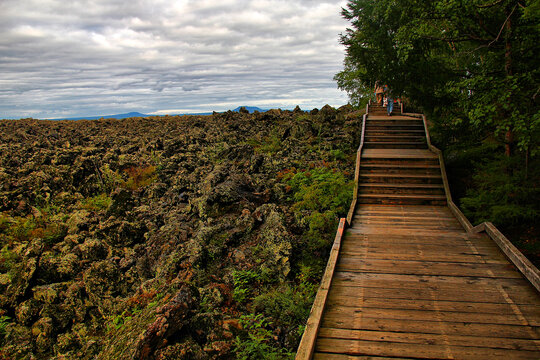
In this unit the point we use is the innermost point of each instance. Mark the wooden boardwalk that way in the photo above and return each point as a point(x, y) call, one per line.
point(408, 281)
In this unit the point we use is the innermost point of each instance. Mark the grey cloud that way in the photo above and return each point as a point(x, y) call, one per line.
point(82, 57)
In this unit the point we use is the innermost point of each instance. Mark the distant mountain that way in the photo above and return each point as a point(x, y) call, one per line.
point(251, 109)
point(118, 116)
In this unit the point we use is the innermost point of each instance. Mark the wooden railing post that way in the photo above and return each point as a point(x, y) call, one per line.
point(357, 172)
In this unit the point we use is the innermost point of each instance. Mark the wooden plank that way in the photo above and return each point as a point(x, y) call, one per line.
point(328, 356)
point(412, 224)
point(354, 202)
point(407, 208)
point(431, 256)
point(413, 267)
point(433, 327)
point(424, 251)
point(433, 305)
point(398, 154)
point(416, 293)
point(390, 217)
point(341, 312)
point(440, 339)
point(462, 282)
point(403, 209)
point(455, 210)
point(404, 231)
point(419, 246)
point(390, 242)
point(513, 292)
point(423, 351)
point(414, 239)
point(307, 343)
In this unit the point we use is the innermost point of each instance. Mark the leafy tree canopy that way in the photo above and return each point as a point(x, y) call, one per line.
point(473, 62)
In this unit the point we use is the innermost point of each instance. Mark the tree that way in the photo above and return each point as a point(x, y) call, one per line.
point(472, 61)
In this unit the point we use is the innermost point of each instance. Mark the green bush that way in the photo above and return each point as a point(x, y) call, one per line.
point(321, 196)
point(321, 189)
point(288, 307)
point(254, 342)
point(243, 283)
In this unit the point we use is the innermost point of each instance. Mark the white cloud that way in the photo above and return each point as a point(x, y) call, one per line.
point(108, 56)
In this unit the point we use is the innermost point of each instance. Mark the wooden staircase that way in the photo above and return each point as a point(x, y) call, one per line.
point(408, 277)
point(397, 167)
point(375, 109)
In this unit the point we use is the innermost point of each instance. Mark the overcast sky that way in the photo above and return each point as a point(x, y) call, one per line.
point(96, 57)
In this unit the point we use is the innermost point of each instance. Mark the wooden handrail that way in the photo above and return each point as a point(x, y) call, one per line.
point(528, 270)
point(357, 172)
point(453, 207)
point(307, 344)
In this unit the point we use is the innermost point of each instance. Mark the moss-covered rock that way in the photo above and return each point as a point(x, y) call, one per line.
point(137, 238)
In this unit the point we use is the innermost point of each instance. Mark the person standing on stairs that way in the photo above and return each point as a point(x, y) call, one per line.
point(379, 90)
point(390, 100)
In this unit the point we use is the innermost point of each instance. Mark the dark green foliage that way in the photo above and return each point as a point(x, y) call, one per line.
point(243, 283)
point(321, 196)
point(254, 342)
point(472, 67)
point(460, 59)
point(504, 197)
point(289, 307)
point(502, 190)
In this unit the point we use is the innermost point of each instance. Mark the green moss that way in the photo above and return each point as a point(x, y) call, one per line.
point(97, 203)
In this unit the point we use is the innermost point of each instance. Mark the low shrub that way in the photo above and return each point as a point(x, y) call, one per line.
point(255, 340)
point(97, 203)
point(139, 177)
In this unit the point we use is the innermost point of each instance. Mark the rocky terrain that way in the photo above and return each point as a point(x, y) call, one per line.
point(193, 237)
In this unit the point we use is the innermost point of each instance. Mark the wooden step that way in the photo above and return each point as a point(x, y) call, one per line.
point(395, 144)
point(389, 121)
point(384, 113)
point(400, 188)
point(406, 167)
point(401, 178)
point(396, 156)
point(395, 137)
point(395, 133)
point(416, 199)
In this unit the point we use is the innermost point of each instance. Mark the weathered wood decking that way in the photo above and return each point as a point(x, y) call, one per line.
point(409, 280)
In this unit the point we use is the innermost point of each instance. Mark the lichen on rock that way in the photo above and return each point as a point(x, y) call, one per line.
point(158, 237)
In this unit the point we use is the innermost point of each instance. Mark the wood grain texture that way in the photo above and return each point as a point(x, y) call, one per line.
point(412, 279)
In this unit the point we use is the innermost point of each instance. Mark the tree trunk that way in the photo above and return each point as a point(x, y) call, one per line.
point(509, 136)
